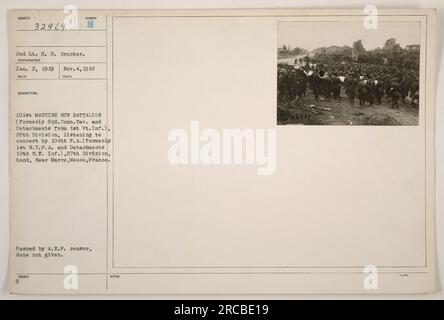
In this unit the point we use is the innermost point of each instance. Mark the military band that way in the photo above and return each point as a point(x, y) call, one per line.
point(369, 83)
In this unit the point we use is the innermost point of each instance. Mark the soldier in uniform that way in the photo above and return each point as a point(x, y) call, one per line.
point(395, 93)
point(387, 84)
point(326, 87)
point(336, 87)
point(362, 92)
point(283, 84)
point(299, 86)
point(370, 87)
point(350, 89)
point(405, 87)
point(315, 84)
point(292, 85)
point(414, 91)
point(379, 91)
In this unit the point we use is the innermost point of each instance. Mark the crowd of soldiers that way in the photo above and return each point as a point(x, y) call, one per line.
point(367, 83)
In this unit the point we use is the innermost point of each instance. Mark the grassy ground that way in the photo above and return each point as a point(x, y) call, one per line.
point(324, 112)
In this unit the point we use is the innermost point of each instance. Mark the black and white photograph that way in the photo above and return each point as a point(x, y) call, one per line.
point(221, 159)
point(342, 73)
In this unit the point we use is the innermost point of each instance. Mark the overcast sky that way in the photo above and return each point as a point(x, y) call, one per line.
point(312, 35)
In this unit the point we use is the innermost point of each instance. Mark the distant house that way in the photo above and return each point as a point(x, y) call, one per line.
point(413, 47)
point(355, 54)
point(357, 50)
